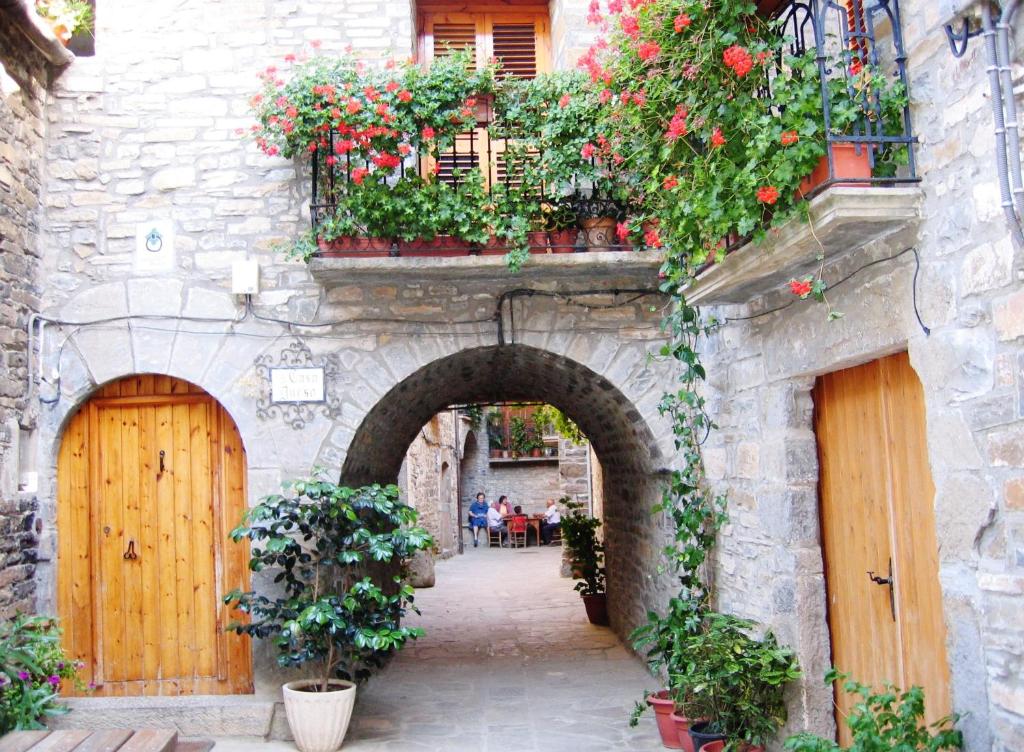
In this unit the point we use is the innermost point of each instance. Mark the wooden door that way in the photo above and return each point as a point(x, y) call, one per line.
point(877, 502)
point(151, 477)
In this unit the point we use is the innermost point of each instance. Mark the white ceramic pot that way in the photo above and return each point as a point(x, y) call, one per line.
point(319, 720)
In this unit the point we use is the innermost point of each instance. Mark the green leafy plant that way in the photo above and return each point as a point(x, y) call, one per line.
point(32, 667)
point(721, 673)
point(322, 541)
point(520, 441)
point(888, 720)
point(585, 551)
point(496, 438)
point(549, 415)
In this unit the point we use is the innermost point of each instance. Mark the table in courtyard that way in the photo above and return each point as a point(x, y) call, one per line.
point(533, 520)
point(106, 740)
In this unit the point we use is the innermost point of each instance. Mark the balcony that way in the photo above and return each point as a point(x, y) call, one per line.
point(488, 170)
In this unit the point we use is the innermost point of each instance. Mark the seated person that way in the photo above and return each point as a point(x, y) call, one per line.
point(503, 506)
point(495, 522)
point(478, 517)
point(552, 521)
point(517, 509)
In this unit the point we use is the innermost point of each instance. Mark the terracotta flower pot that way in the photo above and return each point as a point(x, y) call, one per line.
point(848, 164)
point(319, 720)
point(597, 609)
point(717, 746)
point(663, 705)
point(495, 453)
point(600, 233)
point(536, 452)
point(538, 242)
point(494, 246)
point(563, 241)
point(443, 246)
point(681, 724)
point(349, 246)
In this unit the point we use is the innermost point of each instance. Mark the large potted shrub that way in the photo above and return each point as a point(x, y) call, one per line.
point(586, 557)
point(729, 683)
point(33, 667)
point(890, 719)
point(336, 608)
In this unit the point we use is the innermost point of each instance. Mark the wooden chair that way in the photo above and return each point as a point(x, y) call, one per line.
point(556, 536)
point(517, 530)
point(493, 537)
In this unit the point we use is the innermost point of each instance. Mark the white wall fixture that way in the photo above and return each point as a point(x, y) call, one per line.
point(245, 277)
point(154, 246)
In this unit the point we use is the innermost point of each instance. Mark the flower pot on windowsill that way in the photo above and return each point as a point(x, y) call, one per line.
point(847, 164)
point(494, 246)
point(600, 233)
point(319, 720)
point(563, 241)
point(536, 452)
point(663, 706)
point(495, 453)
point(538, 241)
point(443, 246)
point(350, 246)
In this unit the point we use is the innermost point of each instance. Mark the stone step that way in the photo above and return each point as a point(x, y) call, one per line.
point(196, 717)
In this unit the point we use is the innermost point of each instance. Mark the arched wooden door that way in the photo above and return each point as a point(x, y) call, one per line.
point(151, 479)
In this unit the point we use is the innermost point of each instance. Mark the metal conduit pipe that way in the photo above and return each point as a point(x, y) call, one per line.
point(1002, 168)
point(1010, 104)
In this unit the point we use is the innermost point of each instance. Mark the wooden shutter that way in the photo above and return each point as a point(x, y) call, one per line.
point(515, 45)
point(450, 36)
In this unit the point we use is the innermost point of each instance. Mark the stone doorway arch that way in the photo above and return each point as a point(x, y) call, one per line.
point(619, 433)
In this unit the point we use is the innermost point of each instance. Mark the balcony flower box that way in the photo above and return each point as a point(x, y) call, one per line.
point(846, 163)
point(443, 246)
point(355, 246)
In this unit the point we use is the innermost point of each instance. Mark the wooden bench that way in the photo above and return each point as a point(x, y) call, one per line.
point(110, 740)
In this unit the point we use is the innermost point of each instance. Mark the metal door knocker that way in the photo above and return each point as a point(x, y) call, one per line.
point(130, 553)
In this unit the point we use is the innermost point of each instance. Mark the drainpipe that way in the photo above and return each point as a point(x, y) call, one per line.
point(993, 68)
point(458, 481)
point(1006, 80)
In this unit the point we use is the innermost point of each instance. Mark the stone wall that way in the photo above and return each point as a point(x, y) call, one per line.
point(429, 481)
point(761, 372)
point(24, 77)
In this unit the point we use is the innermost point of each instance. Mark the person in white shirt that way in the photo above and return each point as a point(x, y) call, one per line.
point(496, 522)
point(552, 521)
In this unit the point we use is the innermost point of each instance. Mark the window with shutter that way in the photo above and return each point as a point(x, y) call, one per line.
point(518, 39)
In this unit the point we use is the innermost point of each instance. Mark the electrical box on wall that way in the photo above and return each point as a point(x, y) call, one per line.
point(154, 246)
point(245, 277)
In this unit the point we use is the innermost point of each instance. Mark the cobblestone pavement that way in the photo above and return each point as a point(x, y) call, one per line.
point(509, 662)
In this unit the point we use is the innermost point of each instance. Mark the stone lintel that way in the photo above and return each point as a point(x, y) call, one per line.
point(562, 271)
point(842, 219)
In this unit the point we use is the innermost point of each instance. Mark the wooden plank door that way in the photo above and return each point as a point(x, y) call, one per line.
point(151, 476)
point(876, 512)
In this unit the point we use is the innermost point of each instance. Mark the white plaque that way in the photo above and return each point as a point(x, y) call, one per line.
point(297, 385)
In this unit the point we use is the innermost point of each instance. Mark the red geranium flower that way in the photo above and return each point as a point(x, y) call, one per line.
point(651, 239)
point(801, 287)
point(615, 6)
point(630, 26)
point(354, 106)
point(359, 174)
point(427, 133)
point(717, 139)
point(681, 22)
point(404, 96)
point(767, 194)
point(648, 50)
point(789, 138)
point(392, 86)
point(737, 58)
point(564, 101)
point(622, 231)
point(587, 151)
point(669, 183)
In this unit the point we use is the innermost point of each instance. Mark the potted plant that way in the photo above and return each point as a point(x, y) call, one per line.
point(561, 224)
point(67, 17)
point(586, 555)
point(33, 666)
point(322, 540)
point(882, 720)
point(731, 681)
point(519, 437)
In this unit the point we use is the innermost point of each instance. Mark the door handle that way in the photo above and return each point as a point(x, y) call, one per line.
point(890, 581)
point(130, 553)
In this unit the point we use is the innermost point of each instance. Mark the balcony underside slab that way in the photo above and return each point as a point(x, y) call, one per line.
point(843, 220)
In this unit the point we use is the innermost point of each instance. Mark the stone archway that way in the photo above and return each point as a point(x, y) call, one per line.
point(619, 434)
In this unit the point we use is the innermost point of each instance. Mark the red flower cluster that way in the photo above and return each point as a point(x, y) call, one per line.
point(386, 161)
point(587, 151)
point(669, 183)
point(622, 232)
point(681, 22)
point(789, 138)
point(615, 6)
point(564, 101)
point(594, 12)
point(648, 50)
point(359, 174)
point(717, 139)
point(427, 133)
point(630, 27)
point(801, 287)
point(767, 194)
point(677, 126)
point(651, 238)
point(737, 58)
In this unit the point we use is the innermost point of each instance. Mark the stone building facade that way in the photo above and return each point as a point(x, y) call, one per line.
point(29, 60)
point(142, 137)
